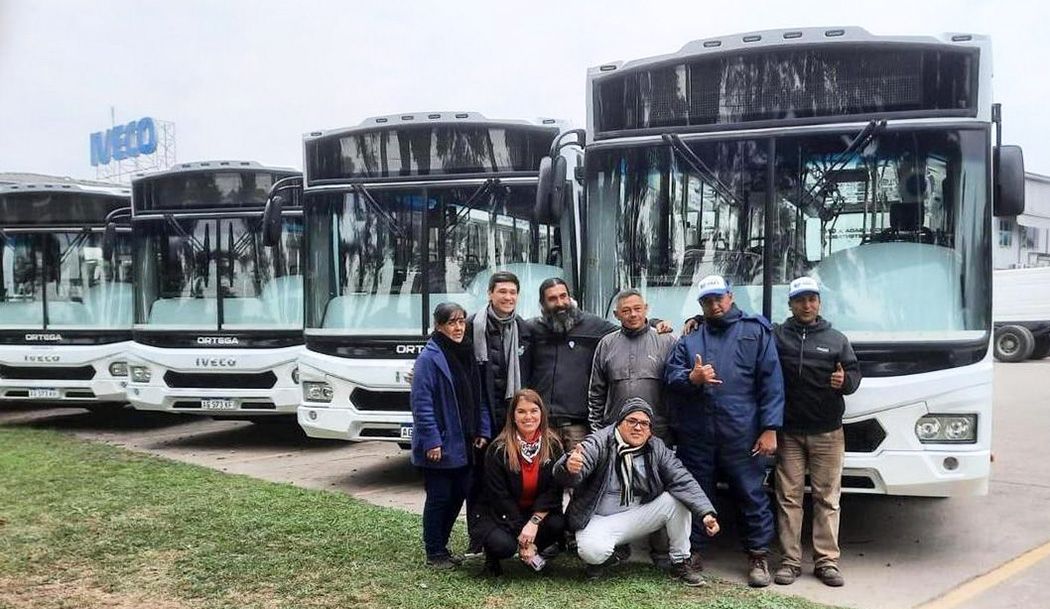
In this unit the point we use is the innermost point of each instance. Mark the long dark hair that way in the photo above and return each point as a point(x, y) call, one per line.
point(509, 436)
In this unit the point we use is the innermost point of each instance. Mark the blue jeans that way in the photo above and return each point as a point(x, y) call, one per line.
point(446, 490)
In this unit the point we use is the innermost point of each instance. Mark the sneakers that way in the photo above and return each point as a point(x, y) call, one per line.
point(442, 563)
point(685, 572)
point(830, 575)
point(696, 561)
point(758, 570)
point(619, 555)
point(787, 574)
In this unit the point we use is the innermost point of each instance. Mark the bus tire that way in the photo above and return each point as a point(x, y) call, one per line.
point(1013, 344)
point(1041, 348)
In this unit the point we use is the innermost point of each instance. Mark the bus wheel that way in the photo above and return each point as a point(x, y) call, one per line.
point(1013, 344)
point(1041, 348)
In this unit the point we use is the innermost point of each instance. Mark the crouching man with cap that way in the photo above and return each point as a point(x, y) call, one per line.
point(628, 484)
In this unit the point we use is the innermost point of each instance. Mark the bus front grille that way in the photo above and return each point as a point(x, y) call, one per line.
point(220, 380)
point(47, 373)
point(389, 401)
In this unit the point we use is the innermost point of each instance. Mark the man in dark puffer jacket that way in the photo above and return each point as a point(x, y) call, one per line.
point(819, 367)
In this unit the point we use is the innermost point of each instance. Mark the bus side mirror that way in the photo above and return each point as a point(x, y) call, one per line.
point(550, 190)
point(109, 240)
point(1009, 181)
point(271, 220)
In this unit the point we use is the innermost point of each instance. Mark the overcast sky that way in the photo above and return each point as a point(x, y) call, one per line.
point(245, 79)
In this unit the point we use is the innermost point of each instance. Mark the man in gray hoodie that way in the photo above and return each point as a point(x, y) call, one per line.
point(628, 484)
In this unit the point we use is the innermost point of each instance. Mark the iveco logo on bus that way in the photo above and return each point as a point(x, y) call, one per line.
point(216, 362)
point(43, 359)
point(409, 349)
point(217, 340)
point(49, 338)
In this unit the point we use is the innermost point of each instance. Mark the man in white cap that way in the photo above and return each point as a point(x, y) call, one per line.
point(819, 368)
point(726, 382)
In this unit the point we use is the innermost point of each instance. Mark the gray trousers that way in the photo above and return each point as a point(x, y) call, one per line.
point(595, 543)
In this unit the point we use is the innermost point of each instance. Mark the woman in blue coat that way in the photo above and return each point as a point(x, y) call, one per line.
point(449, 417)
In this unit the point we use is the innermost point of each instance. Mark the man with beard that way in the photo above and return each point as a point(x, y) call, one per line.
point(563, 342)
point(729, 395)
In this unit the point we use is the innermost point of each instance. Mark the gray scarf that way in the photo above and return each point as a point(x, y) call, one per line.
point(508, 328)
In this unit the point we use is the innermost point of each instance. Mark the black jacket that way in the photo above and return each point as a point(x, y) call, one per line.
point(498, 501)
point(494, 372)
point(808, 355)
point(561, 364)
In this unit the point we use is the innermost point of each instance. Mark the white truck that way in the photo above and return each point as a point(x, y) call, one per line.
point(1021, 314)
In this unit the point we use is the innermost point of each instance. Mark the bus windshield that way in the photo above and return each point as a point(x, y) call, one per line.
point(186, 266)
point(896, 230)
point(388, 248)
point(60, 280)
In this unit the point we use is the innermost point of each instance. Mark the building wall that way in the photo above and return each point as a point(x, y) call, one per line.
point(1025, 241)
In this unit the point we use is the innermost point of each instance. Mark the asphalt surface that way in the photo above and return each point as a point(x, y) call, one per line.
point(896, 552)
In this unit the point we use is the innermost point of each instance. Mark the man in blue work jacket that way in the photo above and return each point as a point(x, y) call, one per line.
point(728, 391)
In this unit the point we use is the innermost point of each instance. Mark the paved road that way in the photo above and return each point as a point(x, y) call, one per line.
point(897, 552)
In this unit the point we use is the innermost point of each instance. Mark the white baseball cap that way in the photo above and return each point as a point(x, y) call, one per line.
point(713, 285)
point(803, 285)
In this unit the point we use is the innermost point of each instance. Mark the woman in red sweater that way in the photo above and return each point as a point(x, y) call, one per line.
point(520, 508)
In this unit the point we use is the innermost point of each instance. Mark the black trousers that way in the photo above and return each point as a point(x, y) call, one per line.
point(502, 543)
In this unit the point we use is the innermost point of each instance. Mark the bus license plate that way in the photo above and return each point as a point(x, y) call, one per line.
point(406, 432)
point(217, 404)
point(44, 393)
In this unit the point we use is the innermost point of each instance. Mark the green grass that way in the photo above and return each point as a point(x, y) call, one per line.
point(85, 524)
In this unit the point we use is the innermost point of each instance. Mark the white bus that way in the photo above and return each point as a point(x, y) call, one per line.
point(65, 304)
point(404, 212)
point(218, 285)
point(861, 160)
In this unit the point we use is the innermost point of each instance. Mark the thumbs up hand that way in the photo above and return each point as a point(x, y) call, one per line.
point(702, 373)
point(838, 377)
point(575, 462)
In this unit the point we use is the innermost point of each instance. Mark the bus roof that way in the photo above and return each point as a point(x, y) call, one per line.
point(430, 118)
point(74, 187)
point(787, 38)
point(213, 166)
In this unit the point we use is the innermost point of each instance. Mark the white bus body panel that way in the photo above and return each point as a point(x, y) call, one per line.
point(901, 465)
point(339, 419)
point(104, 386)
point(158, 396)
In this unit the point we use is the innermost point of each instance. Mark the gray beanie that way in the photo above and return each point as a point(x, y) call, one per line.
point(634, 405)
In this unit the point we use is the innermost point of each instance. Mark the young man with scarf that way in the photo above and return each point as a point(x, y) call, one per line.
point(628, 484)
point(728, 393)
point(501, 343)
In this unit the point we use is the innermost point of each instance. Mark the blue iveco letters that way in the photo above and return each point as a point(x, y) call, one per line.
point(124, 141)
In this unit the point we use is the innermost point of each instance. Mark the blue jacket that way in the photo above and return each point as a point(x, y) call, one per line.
point(751, 396)
point(435, 415)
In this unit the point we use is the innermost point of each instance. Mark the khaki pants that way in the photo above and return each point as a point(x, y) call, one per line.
point(571, 435)
point(822, 454)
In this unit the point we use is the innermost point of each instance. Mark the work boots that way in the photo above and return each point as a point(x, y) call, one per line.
point(758, 570)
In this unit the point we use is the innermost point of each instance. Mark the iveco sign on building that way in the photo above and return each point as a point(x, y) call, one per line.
point(124, 141)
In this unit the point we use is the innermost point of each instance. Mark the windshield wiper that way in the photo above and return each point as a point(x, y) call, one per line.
point(697, 164)
point(378, 209)
point(866, 136)
point(490, 185)
point(198, 247)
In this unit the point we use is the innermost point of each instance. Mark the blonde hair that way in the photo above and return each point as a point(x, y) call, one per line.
point(508, 437)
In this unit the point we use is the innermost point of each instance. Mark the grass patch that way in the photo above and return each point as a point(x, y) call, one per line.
point(84, 525)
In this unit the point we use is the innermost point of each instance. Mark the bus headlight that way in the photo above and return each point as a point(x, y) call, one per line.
point(317, 392)
point(140, 374)
point(947, 429)
point(118, 369)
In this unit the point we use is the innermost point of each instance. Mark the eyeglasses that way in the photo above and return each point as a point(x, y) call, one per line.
point(638, 423)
